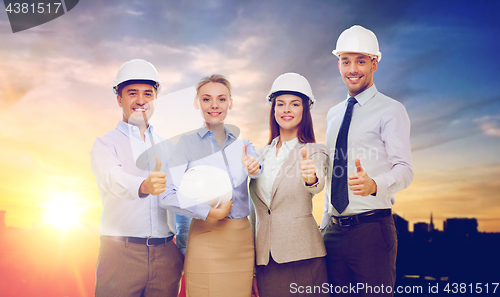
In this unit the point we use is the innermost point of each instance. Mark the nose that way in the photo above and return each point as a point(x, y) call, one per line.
point(287, 108)
point(214, 104)
point(353, 68)
point(141, 99)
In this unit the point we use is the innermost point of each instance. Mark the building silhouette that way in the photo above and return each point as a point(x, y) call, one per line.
point(401, 224)
point(460, 226)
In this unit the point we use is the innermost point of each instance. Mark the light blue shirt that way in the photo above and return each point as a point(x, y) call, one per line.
point(121, 161)
point(201, 148)
point(379, 135)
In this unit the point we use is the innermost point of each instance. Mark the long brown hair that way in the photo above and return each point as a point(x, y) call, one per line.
point(305, 133)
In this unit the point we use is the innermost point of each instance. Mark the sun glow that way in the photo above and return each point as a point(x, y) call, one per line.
point(62, 214)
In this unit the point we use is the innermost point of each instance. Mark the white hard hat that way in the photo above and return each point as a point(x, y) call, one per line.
point(206, 184)
point(292, 82)
point(137, 69)
point(358, 40)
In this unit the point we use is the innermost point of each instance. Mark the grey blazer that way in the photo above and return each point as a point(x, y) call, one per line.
point(287, 228)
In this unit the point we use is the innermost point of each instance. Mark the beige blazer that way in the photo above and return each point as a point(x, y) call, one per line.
point(287, 228)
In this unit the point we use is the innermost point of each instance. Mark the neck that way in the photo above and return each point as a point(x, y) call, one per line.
point(141, 125)
point(287, 135)
point(218, 130)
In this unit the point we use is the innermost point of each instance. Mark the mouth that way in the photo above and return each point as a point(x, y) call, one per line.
point(139, 109)
point(354, 79)
point(214, 114)
point(287, 118)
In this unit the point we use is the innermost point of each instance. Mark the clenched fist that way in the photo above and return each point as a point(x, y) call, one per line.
point(156, 182)
point(250, 163)
point(308, 169)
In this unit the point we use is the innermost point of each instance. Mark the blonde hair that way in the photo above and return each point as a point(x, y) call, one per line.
point(215, 78)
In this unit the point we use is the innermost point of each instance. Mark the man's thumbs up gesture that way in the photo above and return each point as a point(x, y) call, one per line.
point(360, 183)
point(250, 163)
point(156, 182)
point(307, 168)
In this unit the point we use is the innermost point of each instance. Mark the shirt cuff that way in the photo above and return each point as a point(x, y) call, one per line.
point(201, 210)
point(381, 186)
point(135, 184)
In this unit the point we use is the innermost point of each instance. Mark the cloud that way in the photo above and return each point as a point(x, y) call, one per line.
point(490, 125)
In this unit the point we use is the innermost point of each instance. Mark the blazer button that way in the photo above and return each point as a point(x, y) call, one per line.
point(269, 211)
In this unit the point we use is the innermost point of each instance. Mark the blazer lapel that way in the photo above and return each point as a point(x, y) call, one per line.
point(257, 190)
point(291, 161)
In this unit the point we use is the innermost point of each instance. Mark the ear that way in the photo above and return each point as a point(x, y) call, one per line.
point(230, 103)
point(195, 103)
point(374, 65)
point(119, 99)
point(339, 65)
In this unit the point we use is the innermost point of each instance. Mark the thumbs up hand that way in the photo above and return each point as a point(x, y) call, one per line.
point(360, 183)
point(250, 163)
point(156, 182)
point(307, 168)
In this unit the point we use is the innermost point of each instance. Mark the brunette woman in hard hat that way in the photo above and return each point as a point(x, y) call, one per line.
point(220, 253)
point(290, 253)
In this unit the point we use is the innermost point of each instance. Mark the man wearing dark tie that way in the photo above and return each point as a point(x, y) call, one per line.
point(368, 138)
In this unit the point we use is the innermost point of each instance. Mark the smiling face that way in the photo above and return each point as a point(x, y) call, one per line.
point(213, 100)
point(288, 112)
point(137, 101)
point(357, 72)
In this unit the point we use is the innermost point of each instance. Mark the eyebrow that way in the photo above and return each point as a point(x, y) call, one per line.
point(360, 57)
point(136, 90)
point(218, 96)
point(294, 100)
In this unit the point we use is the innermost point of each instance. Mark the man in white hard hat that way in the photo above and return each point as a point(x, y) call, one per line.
point(137, 256)
point(368, 137)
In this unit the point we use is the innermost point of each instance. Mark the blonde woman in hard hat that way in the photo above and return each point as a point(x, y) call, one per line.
point(219, 253)
point(289, 248)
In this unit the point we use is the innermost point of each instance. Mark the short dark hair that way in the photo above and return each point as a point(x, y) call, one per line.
point(121, 86)
point(305, 134)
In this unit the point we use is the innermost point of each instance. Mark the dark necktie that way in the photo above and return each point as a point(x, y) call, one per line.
point(339, 195)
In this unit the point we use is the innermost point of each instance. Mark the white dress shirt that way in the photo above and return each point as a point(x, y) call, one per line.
point(379, 135)
point(273, 163)
point(121, 160)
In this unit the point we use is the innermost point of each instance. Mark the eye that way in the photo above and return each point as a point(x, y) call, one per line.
point(295, 104)
point(205, 99)
point(279, 104)
point(132, 94)
point(222, 99)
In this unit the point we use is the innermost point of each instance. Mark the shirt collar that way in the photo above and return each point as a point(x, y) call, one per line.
point(289, 144)
point(366, 95)
point(126, 128)
point(203, 131)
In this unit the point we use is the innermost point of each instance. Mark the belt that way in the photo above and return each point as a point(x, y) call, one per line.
point(149, 241)
point(361, 218)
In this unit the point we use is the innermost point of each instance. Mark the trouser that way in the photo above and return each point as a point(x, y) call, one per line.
point(361, 259)
point(137, 270)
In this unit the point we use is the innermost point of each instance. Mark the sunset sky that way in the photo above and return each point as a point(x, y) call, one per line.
point(439, 58)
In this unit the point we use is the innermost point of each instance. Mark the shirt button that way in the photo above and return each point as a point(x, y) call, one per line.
point(269, 211)
point(154, 212)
